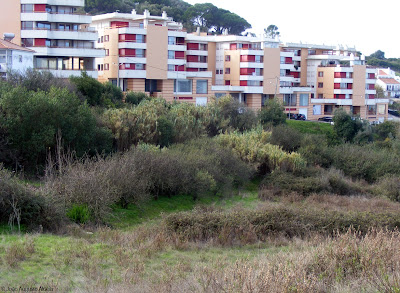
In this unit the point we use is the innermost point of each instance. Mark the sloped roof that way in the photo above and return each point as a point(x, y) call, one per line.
point(8, 45)
point(389, 81)
point(381, 72)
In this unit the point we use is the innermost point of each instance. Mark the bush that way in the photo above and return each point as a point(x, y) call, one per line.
point(33, 121)
point(135, 98)
point(314, 149)
point(252, 147)
point(345, 126)
point(21, 204)
point(80, 214)
point(288, 138)
point(272, 114)
point(388, 186)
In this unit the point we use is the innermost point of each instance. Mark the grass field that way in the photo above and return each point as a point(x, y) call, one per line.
point(310, 127)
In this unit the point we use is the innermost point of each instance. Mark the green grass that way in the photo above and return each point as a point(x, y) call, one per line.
point(310, 127)
point(134, 214)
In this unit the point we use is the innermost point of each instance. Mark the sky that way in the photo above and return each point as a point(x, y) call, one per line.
point(366, 25)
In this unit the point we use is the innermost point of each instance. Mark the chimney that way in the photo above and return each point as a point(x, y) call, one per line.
point(164, 15)
point(146, 13)
point(133, 12)
point(198, 31)
point(8, 36)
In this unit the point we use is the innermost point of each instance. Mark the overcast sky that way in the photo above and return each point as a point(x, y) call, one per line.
point(367, 25)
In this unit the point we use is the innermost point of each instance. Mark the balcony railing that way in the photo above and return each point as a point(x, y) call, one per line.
point(53, 12)
point(87, 30)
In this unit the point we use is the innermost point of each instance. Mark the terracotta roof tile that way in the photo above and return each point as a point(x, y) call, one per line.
point(381, 72)
point(389, 80)
point(8, 45)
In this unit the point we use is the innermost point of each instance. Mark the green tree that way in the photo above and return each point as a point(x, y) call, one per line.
point(272, 113)
point(271, 31)
point(378, 54)
point(380, 93)
point(345, 126)
point(32, 121)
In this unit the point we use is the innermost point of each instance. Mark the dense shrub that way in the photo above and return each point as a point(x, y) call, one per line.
point(346, 127)
point(388, 186)
point(146, 172)
point(135, 98)
point(288, 138)
point(314, 149)
point(272, 114)
point(32, 120)
point(97, 93)
point(253, 147)
point(307, 182)
point(20, 203)
point(387, 129)
point(79, 214)
point(245, 226)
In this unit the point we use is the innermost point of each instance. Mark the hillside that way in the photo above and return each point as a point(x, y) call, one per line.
point(206, 16)
point(378, 59)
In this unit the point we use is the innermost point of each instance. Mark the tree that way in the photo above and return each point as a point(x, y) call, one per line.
point(378, 54)
point(272, 113)
point(271, 31)
point(380, 93)
point(345, 126)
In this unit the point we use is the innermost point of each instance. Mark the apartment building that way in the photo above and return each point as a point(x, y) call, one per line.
point(154, 54)
point(13, 57)
point(389, 82)
point(57, 31)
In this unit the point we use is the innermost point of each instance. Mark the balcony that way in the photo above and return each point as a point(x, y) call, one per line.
point(176, 47)
point(84, 35)
point(56, 17)
point(133, 29)
point(68, 52)
point(199, 74)
point(132, 73)
point(197, 52)
point(132, 45)
point(177, 61)
point(251, 65)
point(74, 3)
point(69, 73)
point(127, 59)
point(197, 65)
point(343, 91)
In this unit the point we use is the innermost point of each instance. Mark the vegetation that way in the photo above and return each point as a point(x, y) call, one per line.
point(100, 192)
point(206, 16)
point(378, 59)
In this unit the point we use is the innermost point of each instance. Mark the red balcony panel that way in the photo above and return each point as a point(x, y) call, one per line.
point(288, 60)
point(227, 82)
point(295, 74)
point(340, 75)
point(117, 24)
point(243, 83)
point(127, 37)
point(179, 55)
point(233, 46)
point(40, 43)
point(341, 97)
point(371, 86)
point(192, 69)
point(192, 58)
point(185, 98)
point(337, 86)
point(245, 46)
point(247, 71)
point(39, 8)
point(349, 86)
point(127, 52)
point(371, 96)
point(247, 58)
point(179, 67)
point(371, 75)
point(192, 46)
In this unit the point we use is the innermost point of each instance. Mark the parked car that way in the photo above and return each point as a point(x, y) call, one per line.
point(326, 119)
point(394, 112)
point(293, 116)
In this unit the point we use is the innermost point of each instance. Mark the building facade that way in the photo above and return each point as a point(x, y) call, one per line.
point(154, 54)
point(60, 35)
point(389, 82)
point(14, 58)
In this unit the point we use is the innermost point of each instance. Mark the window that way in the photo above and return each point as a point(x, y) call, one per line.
point(320, 74)
point(227, 82)
point(372, 110)
point(203, 59)
point(328, 109)
point(227, 71)
point(106, 38)
point(283, 72)
point(106, 66)
point(282, 60)
point(171, 67)
point(139, 66)
point(320, 96)
point(201, 87)
point(381, 109)
point(203, 47)
point(101, 39)
point(139, 53)
point(303, 99)
point(107, 52)
point(317, 109)
point(183, 86)
point(228, 58)
point(139, 38)
point(171, 40)
point(171, 55)
point(289, 100)
point(320, 85)
point(258, 59)
point(20, 58)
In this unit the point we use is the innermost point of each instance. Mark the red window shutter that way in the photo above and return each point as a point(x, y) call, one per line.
point(192, 58)
point(179, 55)
point(130, 37)
point(349, 86)
point(243, 83)
point(337, 86)
point(251, 58)
point(192, 69)
point(288, 60)
point(233, 46)
point(192, 46)
point(39, 8)
point(227, 82)
point(40, 43)
point(117, 24)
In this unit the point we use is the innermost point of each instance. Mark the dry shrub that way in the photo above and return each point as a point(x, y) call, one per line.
point(18, 252)
point(388, 186)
